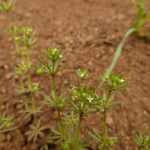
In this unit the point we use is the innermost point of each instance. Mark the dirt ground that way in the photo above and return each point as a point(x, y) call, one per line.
point(90, 31)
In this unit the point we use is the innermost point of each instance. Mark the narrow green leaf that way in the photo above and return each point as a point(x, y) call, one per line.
point(136, 142)
point(55, 131)
point(94, 130)
point(94, 137)
point(140, 135)
point(115, 103)
point(74, 106)
point(47, 98)
point(117, 54)
point(111, 98)
point(146, 130)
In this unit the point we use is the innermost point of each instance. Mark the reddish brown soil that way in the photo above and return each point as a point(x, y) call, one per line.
point(82, 27)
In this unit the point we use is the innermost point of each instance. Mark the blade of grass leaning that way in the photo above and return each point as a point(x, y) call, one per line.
point(117, 54)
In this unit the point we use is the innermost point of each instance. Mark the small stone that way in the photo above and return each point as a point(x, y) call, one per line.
point(8, 76)
point(8, 137)
point(10, 39)
point(98, 55)
point(145, 112)
point(3, 107)
point(5, 66)
point(110, 120)
point(65, 81)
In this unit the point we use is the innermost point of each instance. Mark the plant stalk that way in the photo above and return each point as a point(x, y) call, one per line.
point(105, 117)
point(9, 19)
point(78, 130)
point(33, 108)
point(55, 93)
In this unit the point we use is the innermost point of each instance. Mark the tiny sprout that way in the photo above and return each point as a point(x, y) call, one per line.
point(40, 71)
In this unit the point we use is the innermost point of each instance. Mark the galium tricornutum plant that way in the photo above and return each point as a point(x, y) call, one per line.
point(14, 29)
point(6, 122)
point(142, 17)
point(27, 41)
point(143, 143)
point(86, 102)
point(113, 83)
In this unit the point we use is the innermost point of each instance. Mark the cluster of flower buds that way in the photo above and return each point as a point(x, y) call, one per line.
point(74, 91)
point(36, 86)
point(27, 41)
point(6, 6)
point(61, 103)
point(53, 54)
point(24, 65)
point(83, 74)
point(29, 31)
point(13, 30)
point(87, 97)
point(114, 82)
point(53, 62)
point(18, 71)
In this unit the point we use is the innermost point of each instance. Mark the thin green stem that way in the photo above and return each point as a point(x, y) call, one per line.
point(105, 116)
point(21, 81)
point(9, 19)
point(81, 82)
point(28, 55)
point(78, 130)
point(34, 109)
point(55, 93)
point(17, 46)
point(30, 80)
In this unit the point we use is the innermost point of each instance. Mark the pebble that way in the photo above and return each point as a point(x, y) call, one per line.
point(3, 107)
point(8, 76)
point(8, 137)
point(110, 120)
point(65, 81)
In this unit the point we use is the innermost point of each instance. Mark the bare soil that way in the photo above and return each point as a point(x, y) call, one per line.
point(90, 31)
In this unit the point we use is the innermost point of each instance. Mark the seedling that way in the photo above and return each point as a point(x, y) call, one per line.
point(142, 17)
point(6, 122)
point(143, 143)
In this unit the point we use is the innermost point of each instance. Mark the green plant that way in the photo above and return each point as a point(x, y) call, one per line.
point(26, 40)
point(113, 83)
point(6, 122)
point(86, 102)
point(14, 29)
point(142, 17)
point(144, 144)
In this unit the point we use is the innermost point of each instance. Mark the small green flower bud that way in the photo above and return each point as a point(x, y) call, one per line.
point(39, 71)
point(65, 146)
point(110, 143)
point(10, 124)
point(35, 88)
point(107, 77)
point(24, 53)
point(61, 106)
point(17, 38)
point(147, 139)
